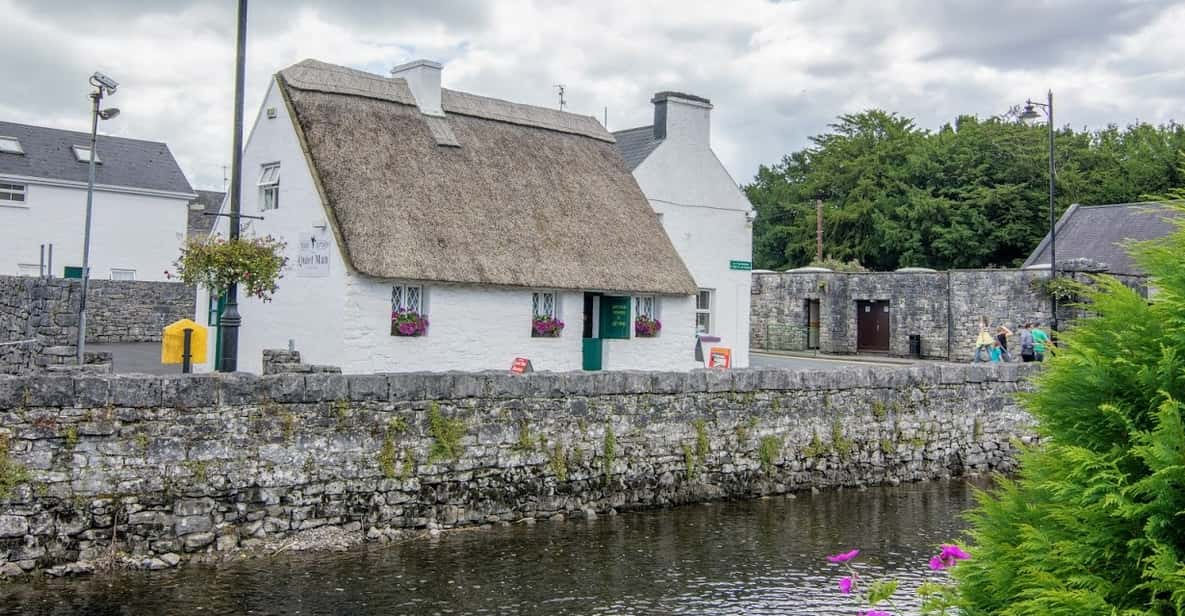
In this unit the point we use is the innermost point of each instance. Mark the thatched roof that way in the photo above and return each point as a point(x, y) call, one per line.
point(532, 197)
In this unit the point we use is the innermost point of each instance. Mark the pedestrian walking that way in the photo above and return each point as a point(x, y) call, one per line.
point(1002, 334)
point(1028, 350)
point(983, 343)
point(1040, 342)
point(997, 352)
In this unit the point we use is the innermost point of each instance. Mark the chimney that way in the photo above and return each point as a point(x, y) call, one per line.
point(423, 77)
point(682, 117)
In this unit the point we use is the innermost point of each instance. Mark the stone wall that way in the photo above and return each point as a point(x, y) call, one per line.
point(943, 308)
point(135, 311)
point(45, 311)
point(198, 465)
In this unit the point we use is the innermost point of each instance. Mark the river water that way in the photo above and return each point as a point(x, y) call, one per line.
point(753, 557)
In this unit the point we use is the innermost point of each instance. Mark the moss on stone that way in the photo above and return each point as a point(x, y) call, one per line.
point(198, 469)
point(446, 435)
point(878, 409)
point(887, 446)
point(816, 447)
point(71, 438)
point(11, 473)
point(525, 442)
point(842, 445)
point(609, 450)
point(689, 459)
point(558, 462)
point(387, 456)
point(409, 465)
point(341, 412)
point(768, 451)
point(702, 446)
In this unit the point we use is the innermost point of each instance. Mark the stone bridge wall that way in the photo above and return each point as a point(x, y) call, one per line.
point(200, 465)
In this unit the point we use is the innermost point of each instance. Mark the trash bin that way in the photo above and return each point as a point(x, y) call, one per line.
point(915, 346)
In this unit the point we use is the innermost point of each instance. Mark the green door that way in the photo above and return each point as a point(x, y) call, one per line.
point(591, 348)
point(213, 318)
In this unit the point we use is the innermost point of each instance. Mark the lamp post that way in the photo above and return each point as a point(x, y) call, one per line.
point(101, 83)
point(1030, 115)
point(230, 320)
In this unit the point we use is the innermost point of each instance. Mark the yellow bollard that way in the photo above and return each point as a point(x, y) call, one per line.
point(172, 343)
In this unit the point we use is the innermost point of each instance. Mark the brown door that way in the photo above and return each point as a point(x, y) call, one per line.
point(872, 326)
point(812, 323)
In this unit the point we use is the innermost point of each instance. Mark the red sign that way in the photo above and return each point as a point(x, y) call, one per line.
point(521, 365)
point(720, 357)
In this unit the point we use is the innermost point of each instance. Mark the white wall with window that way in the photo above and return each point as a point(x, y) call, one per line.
point(123, 274)
point(703, 311)
point(269, 186)
point(129, 229)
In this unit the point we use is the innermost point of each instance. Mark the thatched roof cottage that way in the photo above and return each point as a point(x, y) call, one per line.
point(431, 229)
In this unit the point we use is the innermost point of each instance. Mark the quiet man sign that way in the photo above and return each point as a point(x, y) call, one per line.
point(312, 257)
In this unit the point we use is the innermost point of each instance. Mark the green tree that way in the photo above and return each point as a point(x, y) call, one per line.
point(1095, 522)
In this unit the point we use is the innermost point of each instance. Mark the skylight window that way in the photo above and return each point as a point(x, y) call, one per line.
point(10, 145)
point(82, 154)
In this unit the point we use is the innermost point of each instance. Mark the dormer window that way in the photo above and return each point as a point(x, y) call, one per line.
point(82, 154)
point(11, 145)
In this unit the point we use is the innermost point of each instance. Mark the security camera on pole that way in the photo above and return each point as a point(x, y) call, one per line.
point(102, 84)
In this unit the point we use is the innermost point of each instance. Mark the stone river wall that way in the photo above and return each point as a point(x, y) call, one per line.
point(149, 471)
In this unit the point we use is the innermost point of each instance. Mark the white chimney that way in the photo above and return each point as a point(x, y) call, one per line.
point(682, 117)
point(423, 77)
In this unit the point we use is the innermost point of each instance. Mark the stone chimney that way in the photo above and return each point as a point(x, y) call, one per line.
point(682, 117)
point(423, 77)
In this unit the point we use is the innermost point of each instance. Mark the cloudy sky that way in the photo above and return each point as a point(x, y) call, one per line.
point(777, 72)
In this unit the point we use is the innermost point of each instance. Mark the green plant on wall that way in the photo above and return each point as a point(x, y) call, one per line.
point(768, 452)
point(701, 439)
point(11, 473)
point(526, 442)
point(446, 435)
point(689, 461)
point(1062, 288)
point(841, 444)
point(609, 449)
point(387, 456)
point(558, 462)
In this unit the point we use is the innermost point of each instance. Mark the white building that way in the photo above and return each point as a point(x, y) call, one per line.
point(139, 214)
point(704, 212)
point(394, 193)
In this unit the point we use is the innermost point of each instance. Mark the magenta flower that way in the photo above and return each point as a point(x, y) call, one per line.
point(843, 557)
point(845, 585)
point(949, 556)
point(936, 563)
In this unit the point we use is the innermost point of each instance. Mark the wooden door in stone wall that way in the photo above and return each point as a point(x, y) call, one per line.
point(872, 326)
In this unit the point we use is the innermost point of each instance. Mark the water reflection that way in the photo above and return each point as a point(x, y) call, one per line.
point(754, 557)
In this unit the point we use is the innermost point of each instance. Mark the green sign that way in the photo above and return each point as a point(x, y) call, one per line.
point(615, 317)
point(740, 265)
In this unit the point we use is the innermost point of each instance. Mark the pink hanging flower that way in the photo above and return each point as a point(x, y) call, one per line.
point(843, 557)
point(845, 585)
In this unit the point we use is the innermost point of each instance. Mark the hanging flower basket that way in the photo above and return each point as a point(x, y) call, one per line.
point(546, 327)
point(408, 323)
point(646, 327)
point(255, 264)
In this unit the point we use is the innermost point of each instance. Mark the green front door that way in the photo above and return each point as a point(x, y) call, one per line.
point(213, 318)
point(592, 348)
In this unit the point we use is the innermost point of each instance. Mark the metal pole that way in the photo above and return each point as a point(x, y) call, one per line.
point(96, 96)
point(187, 351)
point(230, 320)
point(49, 263)
point(1052, 223)
point(41, 263)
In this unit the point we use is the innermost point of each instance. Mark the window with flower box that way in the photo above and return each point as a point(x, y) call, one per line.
point(409, 311)
point(646, 322)
point(545, 315)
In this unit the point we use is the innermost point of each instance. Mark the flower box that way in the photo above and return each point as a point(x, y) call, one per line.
point(546, 327)
point(408, 323)
point(646, 327)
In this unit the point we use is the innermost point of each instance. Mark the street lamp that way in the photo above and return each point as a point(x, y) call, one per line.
point(1030, 116)
point(102, 84)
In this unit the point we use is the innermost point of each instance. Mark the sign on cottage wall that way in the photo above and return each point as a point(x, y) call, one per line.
point(615, 317)
point(746, 266)
point(312, 257)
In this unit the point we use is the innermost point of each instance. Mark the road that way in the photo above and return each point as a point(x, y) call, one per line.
point(764, 360)
point(135, 357)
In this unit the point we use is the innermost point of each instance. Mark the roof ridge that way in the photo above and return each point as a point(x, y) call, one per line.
point(516, 104)
point(649, 127)
point(81, 132)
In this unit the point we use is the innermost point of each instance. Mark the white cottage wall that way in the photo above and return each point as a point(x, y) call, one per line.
point(704, 214)
point(129, 231)
point(305, 310)
point(672, 349)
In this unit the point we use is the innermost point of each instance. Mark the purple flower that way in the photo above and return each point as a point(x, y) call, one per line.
point(936, 563)
point(843, 557)
point(407, 328)
point(949, 556)
point(845, 585)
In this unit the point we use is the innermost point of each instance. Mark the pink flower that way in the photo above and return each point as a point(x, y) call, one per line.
point(845, 585)
point(949, 556)
point(936, 563)
point(843, 557)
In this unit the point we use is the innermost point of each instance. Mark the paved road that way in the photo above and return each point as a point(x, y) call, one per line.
point(136, 357)
point(762, 360)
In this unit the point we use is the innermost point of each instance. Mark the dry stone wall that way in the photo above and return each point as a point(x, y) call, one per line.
point(158, 469)
point(42, 315)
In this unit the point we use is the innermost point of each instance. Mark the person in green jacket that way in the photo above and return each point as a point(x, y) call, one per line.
point(1040, 342)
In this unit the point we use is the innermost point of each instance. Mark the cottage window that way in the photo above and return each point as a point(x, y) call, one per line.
point(703, 311)
point(123, 274)
point(28, 269)
point(269, 186)
point(82, 154)
point(407, 298)
point(646, 306)
point(12, 194)
point(543, 305)
point(10, 145)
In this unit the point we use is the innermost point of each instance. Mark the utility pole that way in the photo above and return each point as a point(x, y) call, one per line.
point(230, 320)
point(818, 229)
point(560, 87)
